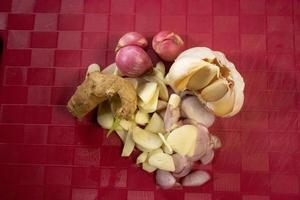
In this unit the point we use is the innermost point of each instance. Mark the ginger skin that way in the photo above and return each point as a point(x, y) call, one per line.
point(98, 87)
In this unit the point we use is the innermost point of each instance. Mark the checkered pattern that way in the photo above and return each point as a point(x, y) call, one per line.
point(45, 154)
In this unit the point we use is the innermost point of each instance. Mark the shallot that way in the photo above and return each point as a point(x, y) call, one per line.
point(132, 38)
point(168, 45)
point(165, 179)
point(133, 61)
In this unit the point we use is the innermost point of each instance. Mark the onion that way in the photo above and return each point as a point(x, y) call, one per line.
point(168, 45)
point(132, 38)
point(133, 61)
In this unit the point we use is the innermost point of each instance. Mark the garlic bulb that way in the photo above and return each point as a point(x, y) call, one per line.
point(211, 77)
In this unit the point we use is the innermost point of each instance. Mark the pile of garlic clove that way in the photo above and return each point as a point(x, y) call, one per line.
point(209, 76)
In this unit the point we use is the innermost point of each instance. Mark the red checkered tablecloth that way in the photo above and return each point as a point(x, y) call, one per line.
point(45, 154)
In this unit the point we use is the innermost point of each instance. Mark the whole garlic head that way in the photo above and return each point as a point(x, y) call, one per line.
point(211, 77)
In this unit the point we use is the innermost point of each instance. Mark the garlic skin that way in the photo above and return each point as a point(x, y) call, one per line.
point(211, 77)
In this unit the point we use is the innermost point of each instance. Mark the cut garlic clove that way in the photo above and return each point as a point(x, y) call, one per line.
point(110, 69)
point(146, 91)
point(163, 90)
point(142, 157)
point(146, 139)
point(215, 91)
point(128, 145)
point(160, 67)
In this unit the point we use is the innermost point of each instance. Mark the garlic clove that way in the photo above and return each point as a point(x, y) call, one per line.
point(203, 77)
point(215, 91)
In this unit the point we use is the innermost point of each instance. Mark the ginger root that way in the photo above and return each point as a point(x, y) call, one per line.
point(98, 87)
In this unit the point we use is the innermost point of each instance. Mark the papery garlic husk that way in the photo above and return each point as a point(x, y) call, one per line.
point(211, 77)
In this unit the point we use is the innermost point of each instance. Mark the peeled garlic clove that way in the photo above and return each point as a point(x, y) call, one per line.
point(208, 157)
point(215, 91)
point(196, 178)
point(165, 179)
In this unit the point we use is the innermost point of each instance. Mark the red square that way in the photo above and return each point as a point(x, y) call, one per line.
point(58, 175)
point(296, 7)
point(67, 77)
point(121, 23)
point(86, 176)
point(44, 39)
point(122, 6)
point(147, 23)
point(61, 116)
point(254, 7)
point(38, 95)
point(20, 21)
point(95, 22)
point(61, 135)
point(285, 143)
point(253, 78)
point(93, 138)
point(71, 22)
point(116, 178)
point(110, 157)
point(230, 140)
point(227, 182)
point(199, 39)
point(112, 140)
point(226, 7)
point(254, 24)
point(13, 154)
point(57, 192)
point(296, 23)
point(173, 7)
point(67, 58)
point(135, 195)
point(195, 196)
point(112, 193)
point(96, 6)
point(87, 156)
point(199, 7)
point(86, 194)
point(60, 155)
point(18, 96)
point(42, 57)
point(8, 114)
point(18, 39)
point(38, 114)
point(255, 183)
point(35, 134)
point(278, 7)
point(70, 6)
point(20, 6)
point(94, 40)
point(20, 57)
point(255, 120)
point(193, 24)
point(226, 24)
point(47, 6)
point(281, 24)
point(61, 95)
point(40, 76)
point(32, 154)
point(31, 175)
point(113, 39)
point(256, 100)
point(255, 142)
point(253, 43)
point(5, 5)
point(174, 23)
point(255, 162)
point(148, 7)
point(69, 40)
point(222, 163)
point(288, 121)
point(9, 174)
point(29, 193)
point(282, 81)
point(11, 133)
point(226, 42)
point(281, 62)
point(45, 22)
point(93, 56)
point(15, 76)
point(284, 184)
point(3, 20)
point(283, 100)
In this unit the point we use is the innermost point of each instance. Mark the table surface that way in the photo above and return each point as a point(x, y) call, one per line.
point(46, 154)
